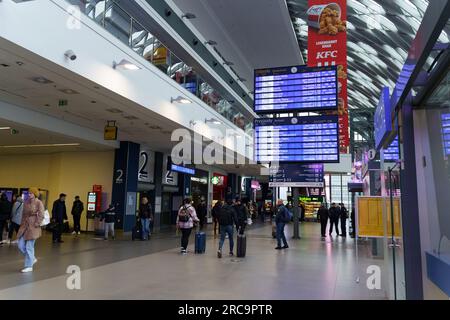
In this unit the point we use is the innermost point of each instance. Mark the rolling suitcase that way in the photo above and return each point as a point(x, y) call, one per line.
point(200, 242)
point(241, 245)
point(136, 232)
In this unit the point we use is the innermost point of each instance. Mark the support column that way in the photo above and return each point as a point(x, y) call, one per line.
point(125, 181)
point(158, 190)
point(295, 203)
point(232, 185)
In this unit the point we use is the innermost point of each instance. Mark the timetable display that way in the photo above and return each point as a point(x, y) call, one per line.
point(445, 119)
point(298, 139)
point(391, 153)
point(297, 175)
point(296, 89)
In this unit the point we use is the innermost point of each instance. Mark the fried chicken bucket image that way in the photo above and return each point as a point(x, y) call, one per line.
point(327, 19)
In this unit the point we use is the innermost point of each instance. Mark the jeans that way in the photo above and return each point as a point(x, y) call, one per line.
point(27, 249)
point(109, 227)
point(223, 231)
point(145, 228)
point(3, 225)
point(76, 222)
point(185, 234)
point(280, 234)
point(12, 227)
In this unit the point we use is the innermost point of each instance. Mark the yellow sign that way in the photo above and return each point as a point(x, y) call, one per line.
point(160, 56)
point(374, 217)
point(110, 133)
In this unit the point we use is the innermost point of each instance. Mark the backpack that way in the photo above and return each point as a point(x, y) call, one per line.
point(287, 216)
point(184, 215)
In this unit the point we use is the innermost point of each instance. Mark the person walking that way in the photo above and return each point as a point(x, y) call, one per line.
point(334, 218)
point(110, 218)
point(202, 212)
point(185, 222)
point(352, 217)
point(215, 214)
point(241, 215)
point(146, 216)
point(16, 219)
point(344, 216)
point(30, 228)
point(323, 217)
point(59, 216)
point(282, 217)
point(227, 220)
point(77, 210)
point(5, 214)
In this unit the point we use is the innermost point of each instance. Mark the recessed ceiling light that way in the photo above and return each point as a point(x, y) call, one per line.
point(69, 91)
point(41, 80)
point(47, 105)
point(155, 127)
point(114, 110)
point(19, 63)
point(4, 65)
point(93, 101)
point(130, 117)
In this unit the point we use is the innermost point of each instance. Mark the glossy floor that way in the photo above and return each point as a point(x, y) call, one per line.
point(122, 269)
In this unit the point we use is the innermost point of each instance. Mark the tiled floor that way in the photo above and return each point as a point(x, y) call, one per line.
point(309, 269)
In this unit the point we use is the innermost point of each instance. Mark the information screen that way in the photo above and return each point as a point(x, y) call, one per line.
point(445, 119)
point(299, 88)
point(391, 153)
point(304, 139)
point(297, 175)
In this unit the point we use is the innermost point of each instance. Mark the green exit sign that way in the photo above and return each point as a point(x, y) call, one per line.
point(63, 103)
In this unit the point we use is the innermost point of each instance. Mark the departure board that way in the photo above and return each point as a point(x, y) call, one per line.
point(391, 153)
point(297, 175)
point(445, 119)
point(303, 139)
point(295, 89)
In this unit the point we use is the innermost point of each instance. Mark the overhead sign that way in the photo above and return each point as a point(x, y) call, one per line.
point(445, 125)
point(146, 171)
point(296, 175)
point(311, 199)
point(327, 46)
point(169, 177)
point(305, 139)
point(382, 119)
point(296, 88)
point(110, 132)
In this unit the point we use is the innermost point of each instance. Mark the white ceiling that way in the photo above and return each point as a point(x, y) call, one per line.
point(252, 34)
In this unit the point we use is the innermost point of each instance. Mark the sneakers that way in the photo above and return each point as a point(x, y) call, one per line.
point(26, 270)
point(15, 242)
point(231, 254)
point(285, 247)
point(219, 254)
point(34, 262)
point(184, 252)
point(74, 232)
point(78, 232)
point(278, 248)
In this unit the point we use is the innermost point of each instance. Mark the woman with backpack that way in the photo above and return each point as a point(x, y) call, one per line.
point(185, 222)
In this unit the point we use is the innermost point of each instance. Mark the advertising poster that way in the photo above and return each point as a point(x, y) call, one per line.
point(327, 46)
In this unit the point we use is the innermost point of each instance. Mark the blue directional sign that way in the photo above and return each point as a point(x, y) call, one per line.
point(382, 119)
point(445, 122)
point(303, 139)
point(297, 175)
point(295, 89)
point(391, 154)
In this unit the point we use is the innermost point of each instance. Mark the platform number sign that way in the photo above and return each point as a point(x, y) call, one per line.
point(169, 177)
point(119, 176)
point(143, 173)
point(146, 166)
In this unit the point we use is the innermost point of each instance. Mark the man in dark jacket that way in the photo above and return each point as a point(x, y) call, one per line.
point(241, 215)
point(344, 217)
point(59, 215)
point(202, 212)
point(323, 217)
point(146, 216)
point(334, 218)
point(282, 217)
point(215, 214)
point(5, 214)
point(226, 218)
point(110, 217)
point(77, 210)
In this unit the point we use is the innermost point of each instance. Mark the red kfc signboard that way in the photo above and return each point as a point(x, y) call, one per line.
point(327, 46)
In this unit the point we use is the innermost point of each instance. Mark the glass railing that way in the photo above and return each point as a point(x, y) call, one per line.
point(129, 31)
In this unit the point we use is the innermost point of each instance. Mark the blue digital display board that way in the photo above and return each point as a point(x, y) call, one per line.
point(303, 139)
point(391, 154)
point(382, 119)
point(176, 168)
point(445, 125)
point(297, 175)
point(297, 88)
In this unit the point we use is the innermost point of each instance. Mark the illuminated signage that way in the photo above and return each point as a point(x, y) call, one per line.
point(382, 119)
point(305, 139)
point(297, 175)
point(176, 168)
point(297, 88)
point(391, 153)
point(445, 124)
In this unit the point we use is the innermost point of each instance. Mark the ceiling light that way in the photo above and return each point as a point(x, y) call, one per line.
point(41, 145)
point(114, 110)
point(188, 15)
point(41, 80)
point(5, 128)
point(19, 63)
point(180, 99)
point(69, 91)
point(4, 65)
point(211, 42)
point(126, 65)
point(228, 63)
point(241, 79)
point(213, 121)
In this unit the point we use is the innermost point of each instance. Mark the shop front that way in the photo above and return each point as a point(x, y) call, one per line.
point(199, 186)
point(219, 183)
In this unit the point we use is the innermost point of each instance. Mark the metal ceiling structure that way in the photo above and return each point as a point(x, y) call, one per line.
point(379, 36)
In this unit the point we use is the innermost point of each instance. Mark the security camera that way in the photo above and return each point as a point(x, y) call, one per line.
point(70, 55)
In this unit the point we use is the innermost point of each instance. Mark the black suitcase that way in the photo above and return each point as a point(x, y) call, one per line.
point(241, 245)
point(136, 232)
